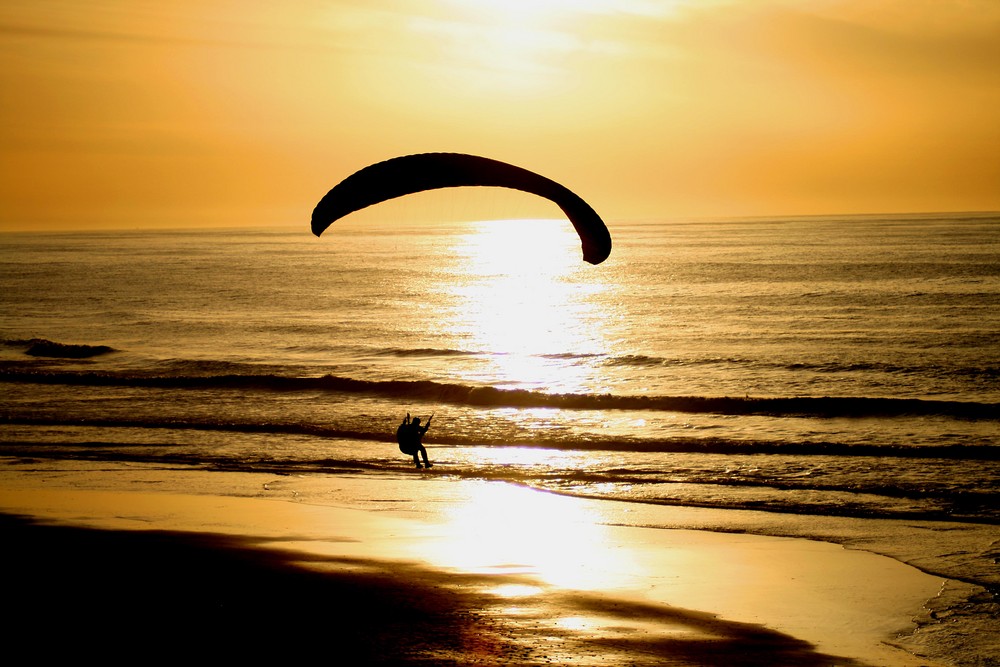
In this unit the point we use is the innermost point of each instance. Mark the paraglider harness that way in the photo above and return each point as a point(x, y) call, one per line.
point(408, 437)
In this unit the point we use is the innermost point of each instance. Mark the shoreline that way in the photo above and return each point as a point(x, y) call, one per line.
point(418, 570)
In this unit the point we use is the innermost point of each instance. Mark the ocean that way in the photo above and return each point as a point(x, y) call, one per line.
point(838, 376)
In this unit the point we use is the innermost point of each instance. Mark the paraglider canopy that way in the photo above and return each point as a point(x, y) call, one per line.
point(430, 171)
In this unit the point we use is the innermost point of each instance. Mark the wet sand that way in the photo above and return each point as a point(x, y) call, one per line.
point(133, 562)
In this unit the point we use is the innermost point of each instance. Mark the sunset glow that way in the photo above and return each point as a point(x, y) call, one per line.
point(138, 113)
point(475, 332)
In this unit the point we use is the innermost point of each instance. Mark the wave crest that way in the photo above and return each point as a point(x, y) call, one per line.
point(490, 397)
point(42, 347)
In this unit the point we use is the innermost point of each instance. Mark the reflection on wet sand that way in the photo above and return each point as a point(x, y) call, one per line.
point(225, 595)
point(507, 529)
point(462, 573)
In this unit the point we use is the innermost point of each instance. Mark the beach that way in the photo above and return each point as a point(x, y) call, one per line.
point(107, 559)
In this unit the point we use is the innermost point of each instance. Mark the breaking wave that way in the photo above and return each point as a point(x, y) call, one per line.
point(490, 397)
point(41, 347)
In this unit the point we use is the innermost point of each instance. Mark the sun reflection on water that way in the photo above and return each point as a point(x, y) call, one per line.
point(526, 301)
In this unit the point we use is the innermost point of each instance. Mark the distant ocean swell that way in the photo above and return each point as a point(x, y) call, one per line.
point(485, 396)
point(652, 361)
point(671, 445)
point(41, 347)
point(640, 360)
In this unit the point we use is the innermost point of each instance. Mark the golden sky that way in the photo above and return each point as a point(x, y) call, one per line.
point(142, 112)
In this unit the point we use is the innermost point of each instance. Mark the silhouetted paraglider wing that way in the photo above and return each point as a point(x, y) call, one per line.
point(430, 171)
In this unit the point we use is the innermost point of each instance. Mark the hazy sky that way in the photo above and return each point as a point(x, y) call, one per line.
point(143, 112)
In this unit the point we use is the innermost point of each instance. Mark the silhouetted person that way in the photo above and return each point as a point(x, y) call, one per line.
point(409, 435)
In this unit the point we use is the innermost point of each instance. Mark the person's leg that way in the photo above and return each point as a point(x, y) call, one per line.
point(424, 453)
